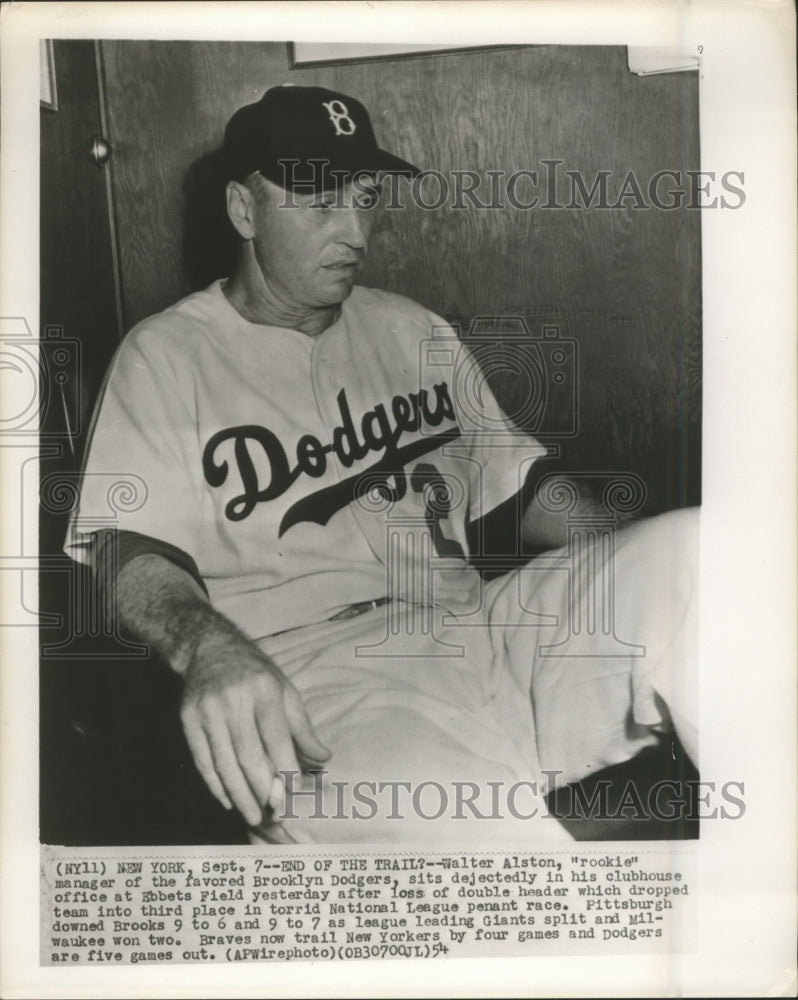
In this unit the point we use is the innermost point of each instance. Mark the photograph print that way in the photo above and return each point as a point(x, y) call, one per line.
point(370, 437)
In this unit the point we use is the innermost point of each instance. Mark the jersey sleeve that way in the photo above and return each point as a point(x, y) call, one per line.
point(500, 460)
point(138, 471)
point(500, 455)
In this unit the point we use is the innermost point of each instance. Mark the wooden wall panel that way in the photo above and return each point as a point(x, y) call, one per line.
point(624, 283)
point(76, 262)
point(76, 280)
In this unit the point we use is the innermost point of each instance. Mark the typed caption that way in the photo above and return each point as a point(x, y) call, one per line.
point(117, 907)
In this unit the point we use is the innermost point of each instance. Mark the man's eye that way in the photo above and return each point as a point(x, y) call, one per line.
point(322, 206)
point(369, 197)
point(367, 200)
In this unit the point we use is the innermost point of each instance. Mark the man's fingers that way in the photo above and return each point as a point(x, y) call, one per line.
point(308, 743)
point(274, 732)
point(229, 770)
point(200, 751)
point(277, 796)
point(244, 737)
point(252, 758)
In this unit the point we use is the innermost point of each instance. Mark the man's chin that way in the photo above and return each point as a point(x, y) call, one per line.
point(339, 291)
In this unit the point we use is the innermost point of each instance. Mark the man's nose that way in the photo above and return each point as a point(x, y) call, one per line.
point(353, 228)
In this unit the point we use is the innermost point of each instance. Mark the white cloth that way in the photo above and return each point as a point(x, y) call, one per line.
point(393, 709)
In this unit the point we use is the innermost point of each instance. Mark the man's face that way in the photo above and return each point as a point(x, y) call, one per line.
point(308, 246)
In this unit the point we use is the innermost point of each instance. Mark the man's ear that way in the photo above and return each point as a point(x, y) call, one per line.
point(241, 209)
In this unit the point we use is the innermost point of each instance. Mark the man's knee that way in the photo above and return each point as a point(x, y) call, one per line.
point(673, 530)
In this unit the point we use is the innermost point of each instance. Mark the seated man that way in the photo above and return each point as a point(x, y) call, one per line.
point(301, 558)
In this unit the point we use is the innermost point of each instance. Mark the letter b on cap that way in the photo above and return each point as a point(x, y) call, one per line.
point(339, 116)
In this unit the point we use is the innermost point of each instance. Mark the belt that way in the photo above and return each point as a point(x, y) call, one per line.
point(358, 609)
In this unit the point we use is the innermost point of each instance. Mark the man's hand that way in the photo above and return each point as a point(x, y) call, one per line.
point(243, 719)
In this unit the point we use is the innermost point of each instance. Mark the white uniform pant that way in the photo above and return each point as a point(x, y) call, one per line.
point(451, 728)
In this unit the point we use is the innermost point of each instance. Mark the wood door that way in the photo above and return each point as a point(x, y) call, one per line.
point(78, 315)
point(79, 304)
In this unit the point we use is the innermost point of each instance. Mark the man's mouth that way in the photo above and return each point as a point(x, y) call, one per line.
point(342, 265)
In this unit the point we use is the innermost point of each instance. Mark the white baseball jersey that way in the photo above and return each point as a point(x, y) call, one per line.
point(286, 466)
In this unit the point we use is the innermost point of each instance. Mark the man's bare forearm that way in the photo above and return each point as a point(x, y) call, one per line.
point(243, 719)
point(166, 608)
point(543, 527)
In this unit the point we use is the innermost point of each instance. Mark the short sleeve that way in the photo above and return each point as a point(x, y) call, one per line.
point(500, 454)
point(137, 474)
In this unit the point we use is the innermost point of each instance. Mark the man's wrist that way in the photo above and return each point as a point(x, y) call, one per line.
point(164, 606)
point(213, 644)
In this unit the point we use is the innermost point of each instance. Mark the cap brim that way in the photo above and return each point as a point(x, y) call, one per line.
point(390, 164)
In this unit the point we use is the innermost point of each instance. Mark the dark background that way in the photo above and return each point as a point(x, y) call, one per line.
point(124, 240)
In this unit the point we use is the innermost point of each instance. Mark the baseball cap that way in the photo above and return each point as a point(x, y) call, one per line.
point(306, 136)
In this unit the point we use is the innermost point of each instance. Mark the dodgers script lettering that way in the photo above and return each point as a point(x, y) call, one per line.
point(379, 432)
